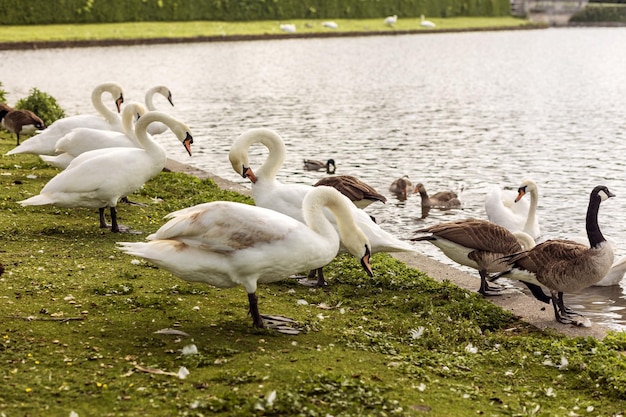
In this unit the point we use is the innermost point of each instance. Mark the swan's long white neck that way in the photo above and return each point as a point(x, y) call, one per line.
point(128, 120)
point(96, 100)
point(276, 155)
point(150, 96)
point(141, 132)
point(532, 211)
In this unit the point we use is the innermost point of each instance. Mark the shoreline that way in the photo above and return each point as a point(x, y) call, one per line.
point(519, 304)
point(34, 45)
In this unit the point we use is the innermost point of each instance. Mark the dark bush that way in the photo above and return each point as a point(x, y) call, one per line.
point(43, 105)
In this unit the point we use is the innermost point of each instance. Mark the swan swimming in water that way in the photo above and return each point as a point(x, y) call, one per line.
point(99, 178)
point(508, 209)
point(44, 143)
point(270, 193)
point(226, 244)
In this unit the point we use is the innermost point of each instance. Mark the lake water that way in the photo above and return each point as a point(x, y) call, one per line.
point(458, 111)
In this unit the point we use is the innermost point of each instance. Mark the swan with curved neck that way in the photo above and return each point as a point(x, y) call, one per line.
point(270, 193)
point(99, 178)
point(509, 210)
point(157, 128)
point(226, 244)
point(44, 143)
point(566, 265)
point(84, 139)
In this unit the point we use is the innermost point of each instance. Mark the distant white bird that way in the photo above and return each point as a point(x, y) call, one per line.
point(427, 23)
point(157, 128)
point(99, 178)
point(44, 143)
point(289, 28)
point(226, 244)
point(330, 25)
point(391, 20)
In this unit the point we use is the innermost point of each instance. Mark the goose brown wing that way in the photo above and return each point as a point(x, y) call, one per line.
point(477, 234)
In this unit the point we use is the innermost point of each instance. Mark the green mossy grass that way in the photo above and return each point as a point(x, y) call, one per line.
point(78, 322)
point(146, 30)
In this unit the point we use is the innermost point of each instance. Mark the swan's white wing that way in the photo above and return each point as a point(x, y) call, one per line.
point(226, 227)
point(502, 209)
point(81, 140)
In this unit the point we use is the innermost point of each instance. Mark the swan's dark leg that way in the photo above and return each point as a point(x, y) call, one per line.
point(257, 320)
point(115, 228)
point(485, 289)
point(310, 282)
point(279, 323)
point(103, 222)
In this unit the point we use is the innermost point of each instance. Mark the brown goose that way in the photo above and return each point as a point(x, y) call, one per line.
point(565, 265)
point(360, 193)
point(18, 121)
point(479, 244)
point(313, 165)
point(401, 187)
point(442, 199)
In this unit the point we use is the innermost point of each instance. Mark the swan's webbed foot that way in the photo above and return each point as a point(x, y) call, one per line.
point(310, 280)
point(281, 324)
point(125, 200)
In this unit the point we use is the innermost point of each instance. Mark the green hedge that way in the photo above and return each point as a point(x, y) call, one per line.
point(30, 12)
point(601, 13)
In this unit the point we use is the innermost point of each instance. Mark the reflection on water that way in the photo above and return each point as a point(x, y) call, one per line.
point(455, 111)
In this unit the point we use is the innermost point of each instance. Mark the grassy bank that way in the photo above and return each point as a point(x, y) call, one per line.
point(79, 323)
point(148, 30)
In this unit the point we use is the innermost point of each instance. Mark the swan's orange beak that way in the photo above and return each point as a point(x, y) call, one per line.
point(118, 102)
point(522, 192)
point(247, 173)
point(187, 143)
point(365, 262)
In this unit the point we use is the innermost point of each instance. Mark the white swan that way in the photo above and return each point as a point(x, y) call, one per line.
point(157, 128)
point(226, 244)
point(44, 143)
point(426, 23)
point(508, 209)
point(84, 139)
point(270, 193)
point(97, 179)
point(391, 20)
point(288, 27)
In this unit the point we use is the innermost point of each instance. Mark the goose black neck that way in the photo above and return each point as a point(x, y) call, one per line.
point(593, 229)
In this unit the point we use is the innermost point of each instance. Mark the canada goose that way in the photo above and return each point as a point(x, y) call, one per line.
point(4, 106)
point(99, 178)
point(401, 187)
point(391, 20)
point(270, 193)
point(566, 265)
point(510, 210)
point(226, 244)
point(360, 193)
point(441, 199)
point(313, 165)
point(426, 23)
point(479, 244)
point(18, 121)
